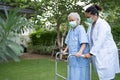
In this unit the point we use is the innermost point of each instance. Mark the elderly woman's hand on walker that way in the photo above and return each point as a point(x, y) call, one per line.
point(78, 54)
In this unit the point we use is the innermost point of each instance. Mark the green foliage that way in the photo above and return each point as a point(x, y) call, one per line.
point(10, 27)
point(41, 37)
point(56, 11)
point(18, 3)
point(42, 41)
point(38, 49)
point(116, 34)
point(59, 10)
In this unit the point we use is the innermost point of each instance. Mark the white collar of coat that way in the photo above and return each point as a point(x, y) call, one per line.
point(99, 20)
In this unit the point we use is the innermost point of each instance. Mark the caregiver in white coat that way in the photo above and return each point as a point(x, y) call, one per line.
point(102, 46)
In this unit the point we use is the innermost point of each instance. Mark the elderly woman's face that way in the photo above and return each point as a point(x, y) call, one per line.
point(73, 21)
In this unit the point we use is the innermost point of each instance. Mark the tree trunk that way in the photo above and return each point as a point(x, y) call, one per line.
point(60, 37)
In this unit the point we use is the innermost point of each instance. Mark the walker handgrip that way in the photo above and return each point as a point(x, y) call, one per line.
point(82, 55)
point(75, 55)
point(58, 54)
point(70, 55)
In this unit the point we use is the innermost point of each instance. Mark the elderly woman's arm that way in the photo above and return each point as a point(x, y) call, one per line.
point(78, 54)
point(65, 50)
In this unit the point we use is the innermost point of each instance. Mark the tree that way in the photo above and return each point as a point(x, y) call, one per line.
point(56, 13)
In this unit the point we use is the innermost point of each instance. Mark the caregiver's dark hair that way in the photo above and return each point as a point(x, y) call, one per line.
point(93, 9)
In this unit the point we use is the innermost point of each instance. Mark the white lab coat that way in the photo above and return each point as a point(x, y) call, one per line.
point(104, 50)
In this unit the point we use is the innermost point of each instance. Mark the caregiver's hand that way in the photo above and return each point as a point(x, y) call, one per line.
point(87, 55)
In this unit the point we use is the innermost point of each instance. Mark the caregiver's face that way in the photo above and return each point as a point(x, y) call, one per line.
point(89, 15)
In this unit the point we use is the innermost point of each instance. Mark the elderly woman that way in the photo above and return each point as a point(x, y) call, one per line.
point(77, 44)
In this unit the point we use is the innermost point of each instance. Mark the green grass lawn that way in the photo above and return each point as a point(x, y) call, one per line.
point(37, 69)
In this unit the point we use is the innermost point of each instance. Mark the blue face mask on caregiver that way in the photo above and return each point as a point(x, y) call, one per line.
point(73, 24)
point(89, 20)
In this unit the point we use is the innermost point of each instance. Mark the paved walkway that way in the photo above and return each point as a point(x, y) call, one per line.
point(33, 56)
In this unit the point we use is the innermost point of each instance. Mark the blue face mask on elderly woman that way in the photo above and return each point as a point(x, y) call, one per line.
point(73, 24)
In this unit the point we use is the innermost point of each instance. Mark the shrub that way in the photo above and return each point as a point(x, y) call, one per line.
point(42, 41)
point(43, 37)
point(116, 34)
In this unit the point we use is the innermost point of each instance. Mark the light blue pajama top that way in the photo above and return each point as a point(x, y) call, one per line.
point(74, 39)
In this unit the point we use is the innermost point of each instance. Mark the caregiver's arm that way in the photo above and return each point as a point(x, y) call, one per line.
point(102, 32)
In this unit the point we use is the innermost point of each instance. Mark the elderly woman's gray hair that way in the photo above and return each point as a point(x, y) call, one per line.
point(76, 15)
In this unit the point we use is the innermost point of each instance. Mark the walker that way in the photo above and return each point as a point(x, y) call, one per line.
point(58, 58)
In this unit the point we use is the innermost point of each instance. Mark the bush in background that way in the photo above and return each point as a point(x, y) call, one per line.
point(42, 41)
point(116, 34)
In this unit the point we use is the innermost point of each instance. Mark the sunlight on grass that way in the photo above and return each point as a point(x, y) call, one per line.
point(37, 69)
